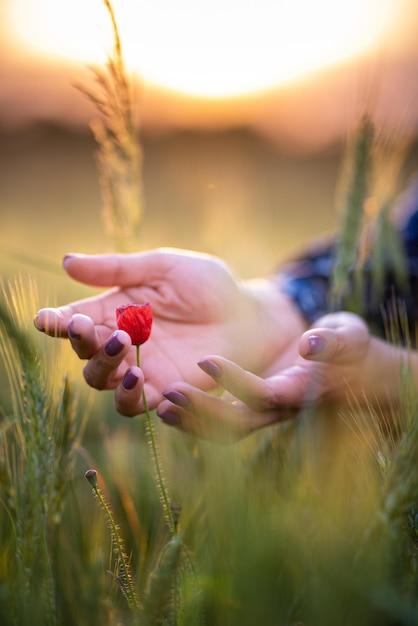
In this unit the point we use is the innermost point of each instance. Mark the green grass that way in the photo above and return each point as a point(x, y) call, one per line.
point(302, 524)
point(312, 523)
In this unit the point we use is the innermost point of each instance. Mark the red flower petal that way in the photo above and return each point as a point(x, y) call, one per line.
point(136, 320)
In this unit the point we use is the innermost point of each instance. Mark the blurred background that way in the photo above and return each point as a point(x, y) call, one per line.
point(243, 108)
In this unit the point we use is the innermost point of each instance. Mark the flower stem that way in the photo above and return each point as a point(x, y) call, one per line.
point(124, 577)
point(155, 455)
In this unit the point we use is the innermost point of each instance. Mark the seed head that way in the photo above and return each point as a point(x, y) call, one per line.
point(91, 476)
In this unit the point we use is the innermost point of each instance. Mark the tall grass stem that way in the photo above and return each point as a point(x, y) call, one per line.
point(156, 458)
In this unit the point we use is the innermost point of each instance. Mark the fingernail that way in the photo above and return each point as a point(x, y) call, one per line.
point(37, 323)
point(113, 346)
point(316, 344)
point(210, 368)
point(177, 398)
point(66, 260)
point(72, 333)
point(170, 418)
point(129, 380)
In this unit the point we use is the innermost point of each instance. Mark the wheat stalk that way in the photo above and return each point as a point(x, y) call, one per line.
point(355, 195)
point(38, 447)
point(119, 153)
point(158, 600)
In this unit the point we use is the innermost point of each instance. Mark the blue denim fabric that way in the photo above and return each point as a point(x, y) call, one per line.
point(307, 279)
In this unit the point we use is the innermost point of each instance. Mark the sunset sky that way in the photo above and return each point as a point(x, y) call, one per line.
point(296, 69)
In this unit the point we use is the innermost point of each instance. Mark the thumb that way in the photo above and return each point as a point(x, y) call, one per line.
point(111, 270)
point(338, 338)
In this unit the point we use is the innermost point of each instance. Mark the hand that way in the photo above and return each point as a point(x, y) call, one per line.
point(198, 307)
point(336, 356)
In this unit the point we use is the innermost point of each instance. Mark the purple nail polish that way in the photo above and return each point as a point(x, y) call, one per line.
point(129, 380)
point(176, 397)
point(316, 344)
point(113, 346)
point(37, 325)
point(67, 258)
point(211, 368)
point(71, 333)
point(170, 418)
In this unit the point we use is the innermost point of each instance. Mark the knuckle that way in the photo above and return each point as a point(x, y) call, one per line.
point(105, 361)
point(92, 380)
point(83, 351)
point(126, 406)
point(266, 398)
point(125, 409)
point(79, 351)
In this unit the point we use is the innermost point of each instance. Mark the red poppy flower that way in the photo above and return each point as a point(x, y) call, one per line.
point(136, 320)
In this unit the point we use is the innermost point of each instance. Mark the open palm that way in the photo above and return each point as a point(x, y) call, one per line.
point(198, 308)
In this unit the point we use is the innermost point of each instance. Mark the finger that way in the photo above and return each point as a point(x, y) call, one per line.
point(297, 386)
point(339, 319)
point(201, 414)
point(218, 427)
point(128, 394)
point(108, 270)
point(285, 392)
point(251, 389)
point(343, 340)
point(101, 372)
point(83, 336)
point(55, 321)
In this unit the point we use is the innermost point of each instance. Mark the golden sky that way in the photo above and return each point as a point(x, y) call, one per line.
point(295, 69)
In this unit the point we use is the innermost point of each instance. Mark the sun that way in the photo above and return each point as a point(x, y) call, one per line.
point(216, 48)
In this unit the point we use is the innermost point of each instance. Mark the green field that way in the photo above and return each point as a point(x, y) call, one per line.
point(313, 523)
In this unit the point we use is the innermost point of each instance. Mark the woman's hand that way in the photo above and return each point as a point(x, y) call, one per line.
point(335, 357)
point(198, 308)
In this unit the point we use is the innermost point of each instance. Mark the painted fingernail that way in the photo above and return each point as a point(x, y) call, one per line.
point(211, 368)
point(113, 346)
point(170, 418)
point(71, 333)
point(66, 260)
point(37, 324)
point(316, 344)
point(129, 380)
point(176, 397)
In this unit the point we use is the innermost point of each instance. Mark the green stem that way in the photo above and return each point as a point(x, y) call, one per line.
point(155, 454)
point(127, 585)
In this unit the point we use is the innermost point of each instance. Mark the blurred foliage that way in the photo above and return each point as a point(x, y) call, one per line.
point(310, 524)
point(357, 187)
point(303, 524)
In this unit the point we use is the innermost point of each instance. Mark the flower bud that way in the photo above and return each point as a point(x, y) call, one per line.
point(91, 476)
point(136, 320)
